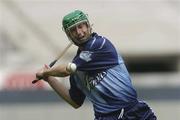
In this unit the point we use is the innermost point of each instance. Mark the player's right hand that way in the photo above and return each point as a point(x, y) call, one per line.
point(40, 74)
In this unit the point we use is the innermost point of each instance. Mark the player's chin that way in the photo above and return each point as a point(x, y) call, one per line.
point(83, 40)
point(79, 41)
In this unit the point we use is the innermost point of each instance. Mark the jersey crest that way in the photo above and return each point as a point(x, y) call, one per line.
point(86, 55)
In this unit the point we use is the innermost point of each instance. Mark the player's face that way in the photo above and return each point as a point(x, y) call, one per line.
point(80, 33)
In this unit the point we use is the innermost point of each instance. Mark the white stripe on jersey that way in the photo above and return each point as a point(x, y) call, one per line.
point(104, 40)
point(93, 42)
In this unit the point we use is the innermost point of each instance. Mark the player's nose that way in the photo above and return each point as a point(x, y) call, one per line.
point(79, 31)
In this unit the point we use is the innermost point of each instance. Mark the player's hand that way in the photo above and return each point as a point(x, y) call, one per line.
point(40, 74)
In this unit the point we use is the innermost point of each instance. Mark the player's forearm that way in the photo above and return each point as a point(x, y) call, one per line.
point(62, 91)
point(58, 71)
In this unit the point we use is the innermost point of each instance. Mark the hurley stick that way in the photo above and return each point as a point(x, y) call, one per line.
point(53, 62)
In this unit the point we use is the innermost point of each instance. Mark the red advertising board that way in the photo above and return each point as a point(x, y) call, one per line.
point(21, 81)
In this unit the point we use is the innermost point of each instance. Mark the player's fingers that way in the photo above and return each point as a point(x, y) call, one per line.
point(39, 74)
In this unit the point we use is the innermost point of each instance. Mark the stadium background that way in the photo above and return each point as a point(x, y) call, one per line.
point(145, 32)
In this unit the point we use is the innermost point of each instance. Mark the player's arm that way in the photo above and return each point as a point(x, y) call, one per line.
point(62, 91)
point(61, 71)
point(57, 71)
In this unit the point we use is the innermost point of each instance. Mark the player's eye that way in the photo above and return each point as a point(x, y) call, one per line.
point(80, 26)
point(73, 29)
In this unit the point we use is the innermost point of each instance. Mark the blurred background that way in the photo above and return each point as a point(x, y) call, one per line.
point(145, 32)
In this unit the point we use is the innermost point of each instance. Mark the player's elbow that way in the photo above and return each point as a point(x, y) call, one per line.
point(76, 107)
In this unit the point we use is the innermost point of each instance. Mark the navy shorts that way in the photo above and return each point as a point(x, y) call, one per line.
point(140, 111)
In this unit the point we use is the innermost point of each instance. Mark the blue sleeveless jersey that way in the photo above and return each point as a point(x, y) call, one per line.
point(101, 77)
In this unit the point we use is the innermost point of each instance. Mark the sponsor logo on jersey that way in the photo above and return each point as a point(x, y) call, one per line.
point(92, 81)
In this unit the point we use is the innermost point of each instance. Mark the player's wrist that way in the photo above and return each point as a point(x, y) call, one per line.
point(48, 79)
